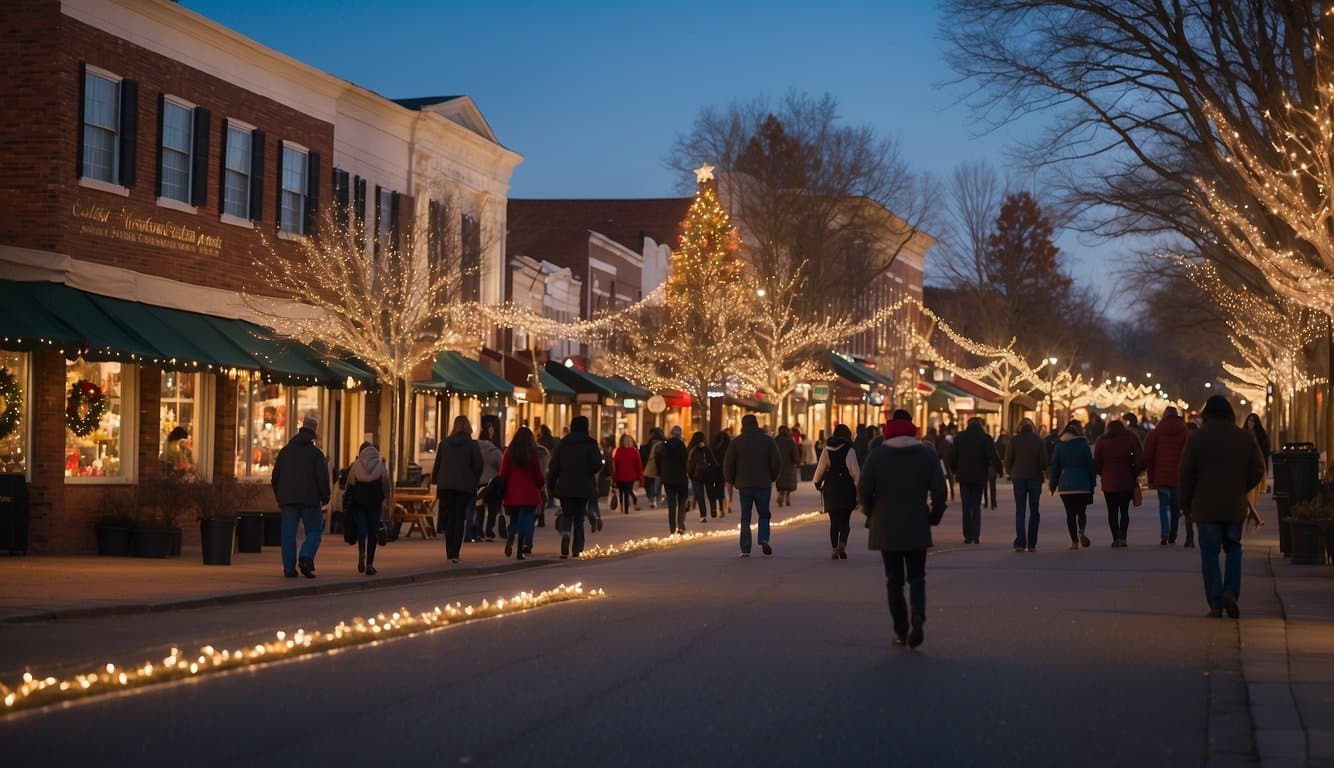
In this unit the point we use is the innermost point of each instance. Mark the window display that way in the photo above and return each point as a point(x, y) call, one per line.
point(267, 416)
point(98, 421)
point(178, 425)
point(14, 411)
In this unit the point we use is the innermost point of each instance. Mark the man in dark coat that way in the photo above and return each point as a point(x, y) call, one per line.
point(301, 485)
point(457, 473)
point(896, 482)
point(1219, 466)
point(751, 465)
point(671, 458)
point(972, 456)
point(1025, 459)
point(572, 478)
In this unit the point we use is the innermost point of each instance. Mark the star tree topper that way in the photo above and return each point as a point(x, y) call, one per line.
point(704, 173)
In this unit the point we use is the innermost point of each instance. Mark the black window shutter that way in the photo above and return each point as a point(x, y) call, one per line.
point(199, 158)
point(278, 188)
point(161, 125)
point(393, 220)
point(78, 142)
point(222, 168)
point(129, 131)
point(312, 192)
point(256, 174)
point(340, 200)
point(359, 194)
point(378, 214)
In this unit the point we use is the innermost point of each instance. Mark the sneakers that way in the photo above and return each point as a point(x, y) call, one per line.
point(744, 554)
point(768, 550)
point(1230, 606)
point(306, 566)
point(915, 634)
point(704, 519)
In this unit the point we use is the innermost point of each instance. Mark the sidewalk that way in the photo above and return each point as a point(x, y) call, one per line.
point(44, 588)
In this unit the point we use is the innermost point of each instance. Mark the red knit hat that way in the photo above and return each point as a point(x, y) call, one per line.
point(900, 427)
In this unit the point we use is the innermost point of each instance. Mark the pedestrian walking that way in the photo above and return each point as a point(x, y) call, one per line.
point(1095, 428)
point(367, 488)
point(902, 490)
point(525, 484)
point(820, 441)
point(789, 460)
point(1118, 458)
point(751, 465)
point(647, 451)
point(675, 478)
point(482, 515)
point(300, 482)
point(1220, 465)
point(836, 475)
point(627, 469)
point(546, 441)
point(944, 443)
point(1025, 460)
point(458, 473)
point(573, 479)
point(1072, 475)
point(720, 443)
point(1257, 430)
point(1162, 463)
point(972, 455)
point(704, 469)
point(861, 443)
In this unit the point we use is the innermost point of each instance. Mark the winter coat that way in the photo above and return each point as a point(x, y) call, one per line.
point(367, 481)
point(973, 454)
point(1025, 456)
point(671, 457)
point(301, 473)
point(1071, 469)
point(1162, 451)
point(1118, 458)
point(627, 467)
point(752, 460)
point(646, 453)
point(898, 479)
point(836, 475)
point(789, 458)
point(523, 483)
point(574, 466)
point(491, 457)
point(458, 464)
point(702, 466)
point(1219, 466)
point(861, 445)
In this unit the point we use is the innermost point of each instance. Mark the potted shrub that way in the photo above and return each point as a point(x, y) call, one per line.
point(115, 519)
point(160, 501)
point(217, 503)
point(1307, 523)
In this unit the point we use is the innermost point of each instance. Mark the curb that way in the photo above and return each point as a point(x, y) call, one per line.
point(1279, 734)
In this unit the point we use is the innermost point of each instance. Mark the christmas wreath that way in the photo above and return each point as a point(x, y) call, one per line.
point(86, 407)
point(11, 403)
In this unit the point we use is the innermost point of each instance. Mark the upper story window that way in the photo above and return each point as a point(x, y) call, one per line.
point(385, 215)
point(292, 195)
point(177, 145)
point(236, 172)
point(101, 127)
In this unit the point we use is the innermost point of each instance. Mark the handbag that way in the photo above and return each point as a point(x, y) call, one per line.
point(494, 492)
point(1136, 495)
point(349, 527)
point(613, 501)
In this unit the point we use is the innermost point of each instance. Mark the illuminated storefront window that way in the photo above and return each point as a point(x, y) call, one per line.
point(267, 416)
point(179, 421)
point(14, 412)
point(106, 450)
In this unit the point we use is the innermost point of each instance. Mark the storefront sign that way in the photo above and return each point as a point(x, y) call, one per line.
point(964, 404)
point(587, 397)
point(629, 403)
point(120, 224)
point(657, 404)
point(820, 393)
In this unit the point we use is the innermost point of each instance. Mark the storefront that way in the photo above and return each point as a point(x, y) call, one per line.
point(539, 398)
point(612, 404)
point(458, 386)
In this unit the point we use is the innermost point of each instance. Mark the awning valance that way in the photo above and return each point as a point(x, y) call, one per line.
point(749, 404)
point(856, 372)
point(590, 383)
point(454, 374)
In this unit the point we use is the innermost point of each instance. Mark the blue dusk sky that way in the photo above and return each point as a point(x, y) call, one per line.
point(593, 94)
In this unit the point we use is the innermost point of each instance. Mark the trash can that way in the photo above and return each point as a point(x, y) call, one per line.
point(1296, 478)
point(250, 532)
point(14, 514)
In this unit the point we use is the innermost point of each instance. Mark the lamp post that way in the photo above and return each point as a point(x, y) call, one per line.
point(1051, 397)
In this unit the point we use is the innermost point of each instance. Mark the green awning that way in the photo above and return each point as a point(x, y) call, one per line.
point(746, 403)
point(602, 386)
point(629, 390)
point(452, 373)
point(856, 372)
point(163, 329)
point(553, 386)
point(98, 334)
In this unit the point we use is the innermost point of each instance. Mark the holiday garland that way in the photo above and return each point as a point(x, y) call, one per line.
point(86, 407)
point(11, 403)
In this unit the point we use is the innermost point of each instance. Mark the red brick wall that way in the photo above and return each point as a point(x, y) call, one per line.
point(40, 135)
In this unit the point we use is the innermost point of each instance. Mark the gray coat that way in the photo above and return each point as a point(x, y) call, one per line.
point(752, 460)
point(1025, 456)
point(491, 456)
point(896, 482)
point(458, 464)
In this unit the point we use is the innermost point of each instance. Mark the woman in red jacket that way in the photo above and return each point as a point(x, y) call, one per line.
point(1118, 460)
point(628, 469)
point(1162, 461)
point(524, 484)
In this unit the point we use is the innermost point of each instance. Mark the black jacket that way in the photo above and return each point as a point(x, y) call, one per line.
point(752, 460)
point(671, 462)
point(301, 473)
point(458, 464)
point(897, 481)
point(972, 453)
point(574, 466)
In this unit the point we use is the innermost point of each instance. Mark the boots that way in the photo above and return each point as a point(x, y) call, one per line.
point(361, 558)
point(509, 546)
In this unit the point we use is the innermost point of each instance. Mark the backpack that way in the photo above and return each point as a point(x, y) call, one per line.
point(836, 486)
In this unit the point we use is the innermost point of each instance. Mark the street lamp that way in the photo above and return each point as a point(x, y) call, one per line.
point(1051, 397)
point(759, 292)
point(1208, 385)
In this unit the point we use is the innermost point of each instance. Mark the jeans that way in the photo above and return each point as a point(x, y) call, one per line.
point(896, 563)
point(1118, 513)
point(676, 507)
point(840, 525)
point(652, 489)
point(367, 521)
point(1169, 511)
point(1026, 496)
point(756, 499)
point(971, 500)
point(522, 520)
point(1076, 512)
point(573, 509)
point(312, 520)
point(1227, 537)
point(627, 494)
point(453, 513)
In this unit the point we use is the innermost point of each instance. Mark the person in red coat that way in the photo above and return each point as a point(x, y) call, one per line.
point(627, 469)
point(521, 470)
point(1118, 459)
point(1162, 459)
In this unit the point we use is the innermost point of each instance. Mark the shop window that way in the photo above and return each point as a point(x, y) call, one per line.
point(179, 422)
point(105, 449)
point(267, 416)
point(15, 412)
point(425, 423)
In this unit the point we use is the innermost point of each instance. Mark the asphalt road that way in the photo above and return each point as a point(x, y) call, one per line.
point(695, 657)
